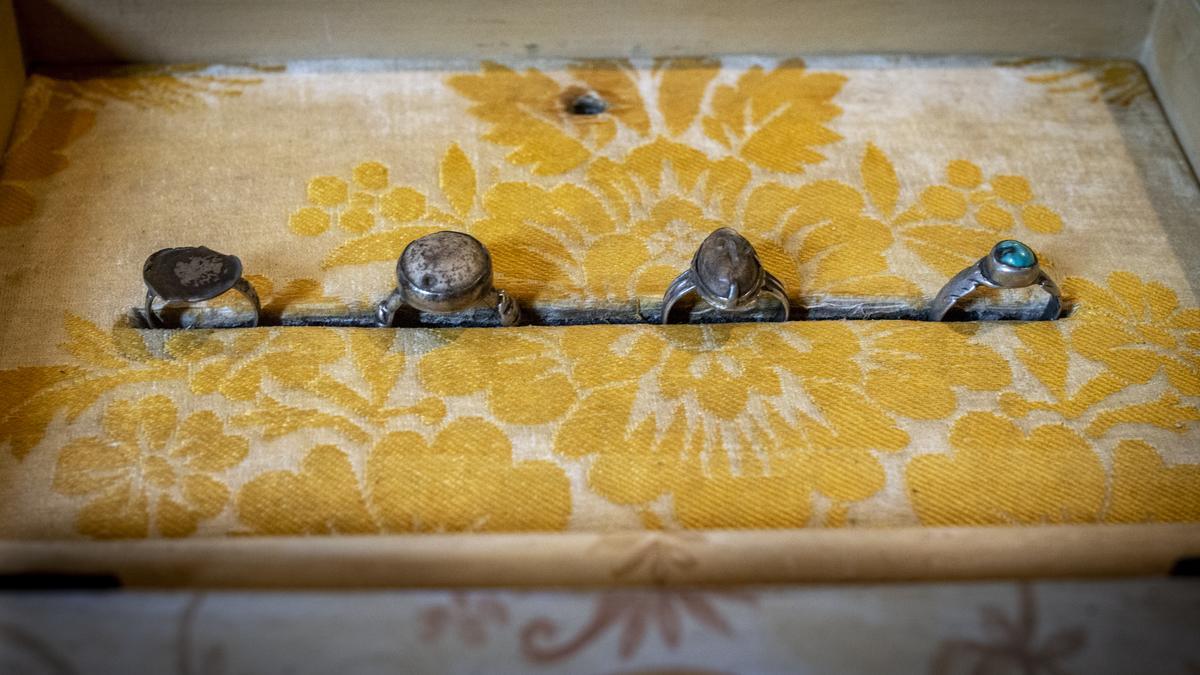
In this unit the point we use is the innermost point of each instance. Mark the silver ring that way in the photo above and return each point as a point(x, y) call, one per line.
point(192, 274)
point(446, 272)
point(1010, 264)
point(727, 274)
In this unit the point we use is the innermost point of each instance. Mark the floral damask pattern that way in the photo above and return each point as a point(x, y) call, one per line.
point(659, 557)
point(950, 223)
point(466, 616)
point(639, 208)
point(1117, 83)
point(465, 480)
point(153, 473)
point(1011, 644)
point(149, 456)
point(349, 431)
point(57, 111)
point(771, 119)
point(1056, 472)
point(1051, 475)
point(1136, 328)
point(727, 443)
point(723, 436)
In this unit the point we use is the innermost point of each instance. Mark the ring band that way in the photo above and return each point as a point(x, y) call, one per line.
point(1010, 264)
point(192, 274)
point(446, 272)
point(727, 274)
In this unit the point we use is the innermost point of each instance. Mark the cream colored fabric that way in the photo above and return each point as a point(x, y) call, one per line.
point(855, 177)
point(946, 629)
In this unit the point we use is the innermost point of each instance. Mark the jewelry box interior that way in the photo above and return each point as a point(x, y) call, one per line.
point(867, 156)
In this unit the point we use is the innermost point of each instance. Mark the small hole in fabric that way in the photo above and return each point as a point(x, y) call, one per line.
point(587, 104)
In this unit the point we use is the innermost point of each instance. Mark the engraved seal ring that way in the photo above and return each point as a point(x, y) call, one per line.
point(192, 274)
point(1010, 264)
point(726, 273)
point(446, 272)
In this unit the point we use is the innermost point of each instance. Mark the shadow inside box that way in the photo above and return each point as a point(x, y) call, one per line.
point(825, 309)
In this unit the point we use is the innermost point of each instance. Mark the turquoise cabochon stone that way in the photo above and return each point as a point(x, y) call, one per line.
point(1015, 254)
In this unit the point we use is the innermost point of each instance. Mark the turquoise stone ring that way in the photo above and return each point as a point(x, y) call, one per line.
point(1014, 254)
point(1010, 264)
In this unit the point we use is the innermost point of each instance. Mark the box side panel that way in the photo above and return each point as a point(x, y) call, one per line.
point(12, 70)
point(1173, 58)
point(176, 31)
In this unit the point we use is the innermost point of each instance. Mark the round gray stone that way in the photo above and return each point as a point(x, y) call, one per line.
point(444, 264)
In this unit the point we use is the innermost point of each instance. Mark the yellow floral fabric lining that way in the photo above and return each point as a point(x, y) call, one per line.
point(606, 240)
point(113, 432)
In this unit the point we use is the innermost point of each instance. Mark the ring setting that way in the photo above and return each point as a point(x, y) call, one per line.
point(1010, 264)
point(190, 274)
point(443, 273)
point(726, 273)
point(448, 273)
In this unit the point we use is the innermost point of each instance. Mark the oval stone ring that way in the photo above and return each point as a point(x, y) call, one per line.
point(192, 274)
point(446, 272)
point(726, 273)
point(1010, 264)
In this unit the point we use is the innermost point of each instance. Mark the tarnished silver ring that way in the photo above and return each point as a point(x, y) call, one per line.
point(1010, 264)
point(192, 274)
point(446, 272)
point(727, 274)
